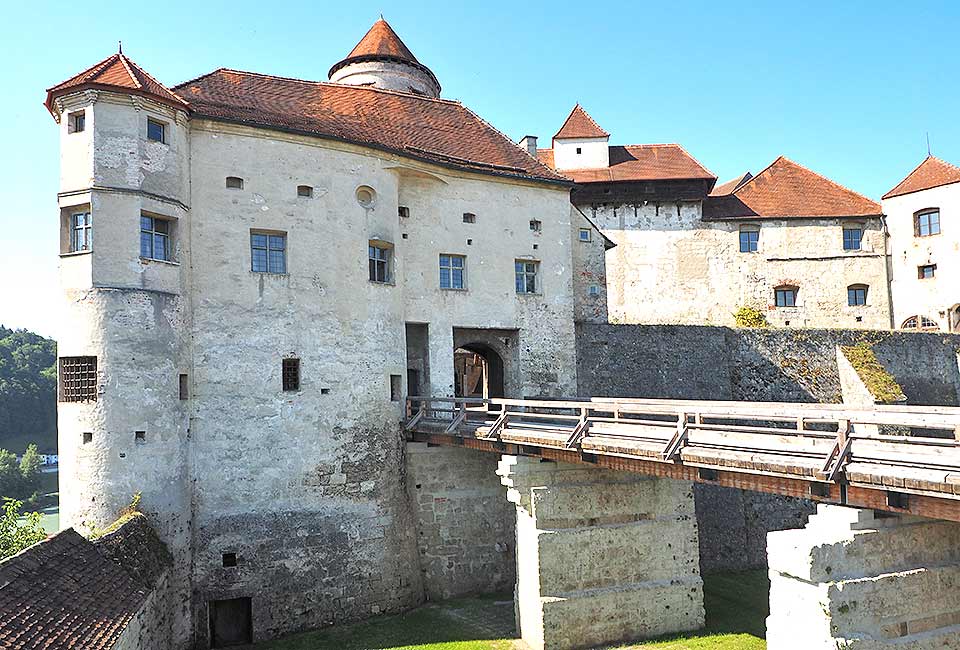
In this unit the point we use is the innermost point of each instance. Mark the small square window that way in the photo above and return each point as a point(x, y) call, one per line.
point(140, 437)
point(77, 122)
point(304, 191)
point(926, 271)
point(749, 239)
point(403, 211)
point(469, 217)
point(786, 297)
point(593, 290)
point(585, 235)
point(228, 559)
point(156, 131)
point(291, 374)
point(857, 295)
point(536, 225)
point(87, 437)
point(234, 183)
point(579, 150)
point(268, 252)
point(452, 271)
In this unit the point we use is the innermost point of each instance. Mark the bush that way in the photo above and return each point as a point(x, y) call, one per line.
point(14, 536)
point(750, 317)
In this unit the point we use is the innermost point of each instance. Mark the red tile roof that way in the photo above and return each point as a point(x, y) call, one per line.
point(65, 593)
point(787, 190)
point(381, 40)
point(727, 188)
point(434, 130)
point(116, 71)
point(580, 125)
point(932, 172)
point(639, 162)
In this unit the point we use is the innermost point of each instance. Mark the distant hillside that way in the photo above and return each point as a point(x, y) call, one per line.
point(28, 391)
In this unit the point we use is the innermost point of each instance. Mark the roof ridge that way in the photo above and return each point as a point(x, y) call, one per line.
point(324, 83)
point(694, 159)
point(154, 79)
point(126, 66)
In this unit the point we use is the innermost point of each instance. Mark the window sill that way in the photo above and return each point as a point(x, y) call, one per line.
point(150, 260)
point(89, 251)
point(454, 289)
point(527, 294)
point(270, 273)
point(382, 284)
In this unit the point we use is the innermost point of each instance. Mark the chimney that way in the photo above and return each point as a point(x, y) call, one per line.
point(529, 142)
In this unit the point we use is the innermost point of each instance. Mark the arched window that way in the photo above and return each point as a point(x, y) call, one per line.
point(919, 323)
point(785, 296)
point(857, 295)
point(926, 222)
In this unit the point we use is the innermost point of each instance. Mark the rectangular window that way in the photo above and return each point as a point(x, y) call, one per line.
point(927, 271)
point(452, 271)
point(154, 238)
point(268, 253)
point(526, 276)
point(857, 296)
point(77, 122)
point(291, 374)
point(536, 225)
point(156, 131)
point(184, 387)
point(379, 258)
point(396, 388)
point(78, 379)
point(786, 297)
point(469, 217)
point(749, 239)
point(81, 235)
point(403, 211)
point(927, 223)
point(852, 238)
point(585, 235)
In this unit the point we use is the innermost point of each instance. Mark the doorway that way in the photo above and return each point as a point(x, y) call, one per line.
point(230, 622)
point(477, 371)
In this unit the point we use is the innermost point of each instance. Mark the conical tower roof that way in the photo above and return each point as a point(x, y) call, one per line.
point(579, 124)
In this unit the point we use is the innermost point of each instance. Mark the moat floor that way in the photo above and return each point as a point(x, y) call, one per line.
point(736, 606)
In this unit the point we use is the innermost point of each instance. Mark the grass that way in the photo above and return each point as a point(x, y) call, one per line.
point(736, 605)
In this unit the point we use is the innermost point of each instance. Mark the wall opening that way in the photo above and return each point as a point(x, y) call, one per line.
point(477, 371)
point(418, 359)
point(396, 388)
point(230, 622)
point(184, 387)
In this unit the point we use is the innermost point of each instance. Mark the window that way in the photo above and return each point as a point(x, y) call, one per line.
point(785, 296)
point(926, 223)
point(857, 295)
point(268, 252)
point(852, 238)
point(926, 271)
point(579, 150)
point(228, 559)
point(234, 183)
point(452, 271)
point(366, 196)
point(140, 437)
point(919, 322)
point(593, 290)
point(154, 238)
point(184, 387)
point(81, 235)
point(749, 239)
point(396, 388)
point(469, 217)
point(526, 276)
point(536, 225)
point(585, 235)
point(78, 379)
point(403, 211)
point(87, 437)
point(156, 131)
point(290, 372)
point(77, 122)
point(379, 258)
point(304, 191)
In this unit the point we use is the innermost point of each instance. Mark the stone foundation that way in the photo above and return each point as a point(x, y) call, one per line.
point(602, 556)
point(852, 580)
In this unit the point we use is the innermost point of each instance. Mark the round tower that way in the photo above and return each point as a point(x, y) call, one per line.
point(381, 60)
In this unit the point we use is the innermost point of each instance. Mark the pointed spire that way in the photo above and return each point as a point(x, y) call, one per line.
point(579, 124)
point(381, 40)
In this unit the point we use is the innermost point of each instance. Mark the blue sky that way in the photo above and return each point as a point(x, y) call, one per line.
point(848, 89)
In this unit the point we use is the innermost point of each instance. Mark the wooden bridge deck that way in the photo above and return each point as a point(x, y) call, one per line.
point(903, 459)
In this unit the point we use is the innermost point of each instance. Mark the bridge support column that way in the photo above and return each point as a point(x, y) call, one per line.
point(852, 580)
point(602, 556)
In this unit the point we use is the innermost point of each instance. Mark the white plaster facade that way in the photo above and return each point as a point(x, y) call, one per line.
point(581, 153)
point(936, 298)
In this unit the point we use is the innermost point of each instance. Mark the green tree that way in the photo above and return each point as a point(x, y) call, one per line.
point(30, 471)
point(10, 477)
point(14, 535)
point(28, 390)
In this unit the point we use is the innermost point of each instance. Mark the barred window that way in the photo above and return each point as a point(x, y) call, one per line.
point(78, 379)
point(291, 374)
point(154, 238)
point(81, 233)
point(268, 253)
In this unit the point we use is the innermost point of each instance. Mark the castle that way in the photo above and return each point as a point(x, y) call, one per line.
point(256, 270)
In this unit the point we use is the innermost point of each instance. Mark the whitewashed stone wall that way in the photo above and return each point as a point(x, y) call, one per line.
point(665, 249)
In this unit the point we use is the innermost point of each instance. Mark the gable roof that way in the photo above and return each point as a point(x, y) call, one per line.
point(787, 190)
point(434, 130)
point(727, 188)
point(932, 172)
point(580, 125)
point(64, 593)
point(117, 71)
point(638, 162)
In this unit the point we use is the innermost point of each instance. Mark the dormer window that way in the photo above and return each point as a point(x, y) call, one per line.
point(156, 131)
point(77, 122)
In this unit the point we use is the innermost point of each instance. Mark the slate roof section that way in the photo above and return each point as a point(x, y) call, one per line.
point(638, 162)
point(787, 190)
point(727, 188)
point(580, 125)
point(64, 593)
point(116, 71)
point(438, 131)
point(932, 172)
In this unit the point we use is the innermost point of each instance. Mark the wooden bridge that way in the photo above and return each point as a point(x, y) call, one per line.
point(903, 459)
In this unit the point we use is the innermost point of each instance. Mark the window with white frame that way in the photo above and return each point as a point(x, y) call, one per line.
point(453, 272)
point(155, 238)
point(81, 232)
point(585, 235)
point(378, 254)
point(526, 272)
point(268, 252)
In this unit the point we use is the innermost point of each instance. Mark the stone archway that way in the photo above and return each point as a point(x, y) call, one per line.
point(478, 371)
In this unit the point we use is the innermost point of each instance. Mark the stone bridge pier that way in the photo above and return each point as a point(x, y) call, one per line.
point(858, 580)
point(602, 556)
